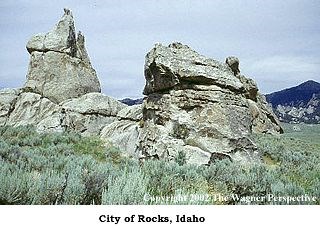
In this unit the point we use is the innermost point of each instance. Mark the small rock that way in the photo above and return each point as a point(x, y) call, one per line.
point(233, 63)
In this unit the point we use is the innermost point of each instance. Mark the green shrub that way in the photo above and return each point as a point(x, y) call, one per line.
point(127, 188)
point(14, 184)
point(47, 188)
point(90, 145)
point(113, 155)
point(181, 158)
point(65, 168)
point(168, 177)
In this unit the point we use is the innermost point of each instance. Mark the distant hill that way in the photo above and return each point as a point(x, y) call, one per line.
point(129, 101)
point(295, 96)
point(297, 104)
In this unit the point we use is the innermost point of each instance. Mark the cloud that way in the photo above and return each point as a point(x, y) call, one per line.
point(278, 72)
point(286, 64)
point(277, 41)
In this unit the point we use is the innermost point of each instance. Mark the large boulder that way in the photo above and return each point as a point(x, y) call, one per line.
point(87, 114)
point(90, 113)
point(59, 67)
point(125, 131)
point(209, 119)
point(133, 113)
point(94, 103)
point(196, 106)
point(233, 63)
point(124, 134)
point(177, 65)
point(30, 109)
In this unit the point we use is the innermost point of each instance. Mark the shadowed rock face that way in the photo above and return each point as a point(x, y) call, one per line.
point(8, 98)
point(59, 66)
point(201, 107)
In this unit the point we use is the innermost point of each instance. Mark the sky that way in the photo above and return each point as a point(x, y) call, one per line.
point(277, 42)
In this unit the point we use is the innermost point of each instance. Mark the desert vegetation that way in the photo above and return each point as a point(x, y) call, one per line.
point(65, 168)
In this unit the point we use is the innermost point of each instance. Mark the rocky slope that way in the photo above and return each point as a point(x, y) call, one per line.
point(194, 105)
point(297, 104)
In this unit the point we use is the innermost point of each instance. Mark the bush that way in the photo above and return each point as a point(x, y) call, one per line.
point(165, 178)
point(15, 184)
point(65, 168)
point(181, 158)
point(127, 188)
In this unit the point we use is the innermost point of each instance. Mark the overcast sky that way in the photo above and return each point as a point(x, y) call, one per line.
point(277, 42)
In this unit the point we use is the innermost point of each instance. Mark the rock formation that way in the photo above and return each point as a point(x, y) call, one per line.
point(59, 66)
point(194, 105)
point(233, 63)
point(87, 114)
point(8, 98)
point(197, 106)
point(62, 91)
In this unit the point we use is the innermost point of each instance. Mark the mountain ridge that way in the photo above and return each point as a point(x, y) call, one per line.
point(292, 96)
point(298, 104)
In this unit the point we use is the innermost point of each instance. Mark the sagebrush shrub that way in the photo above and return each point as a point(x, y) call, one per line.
point(127, 188)
point(65, 168)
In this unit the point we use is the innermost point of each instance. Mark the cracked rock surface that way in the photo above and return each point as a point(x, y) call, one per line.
point(62, 91)
point(59, 67)
point(194, 105)
point(197, 106)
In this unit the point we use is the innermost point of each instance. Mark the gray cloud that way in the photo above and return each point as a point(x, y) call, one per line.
point(278, 42)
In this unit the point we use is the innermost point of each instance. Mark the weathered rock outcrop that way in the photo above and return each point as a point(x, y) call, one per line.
point(124, 133)
point(197, 106)
point(87, 114)
point(194, 105)
point(30, 109)
point(178, 65)
point(8, 98)
point(59, 66)
point(62, 90)
point(233, 63)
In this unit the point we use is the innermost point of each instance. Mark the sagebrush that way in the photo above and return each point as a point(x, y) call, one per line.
point(65, 168)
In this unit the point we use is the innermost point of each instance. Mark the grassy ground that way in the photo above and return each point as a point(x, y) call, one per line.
point(307, 133)
point(69, 169)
